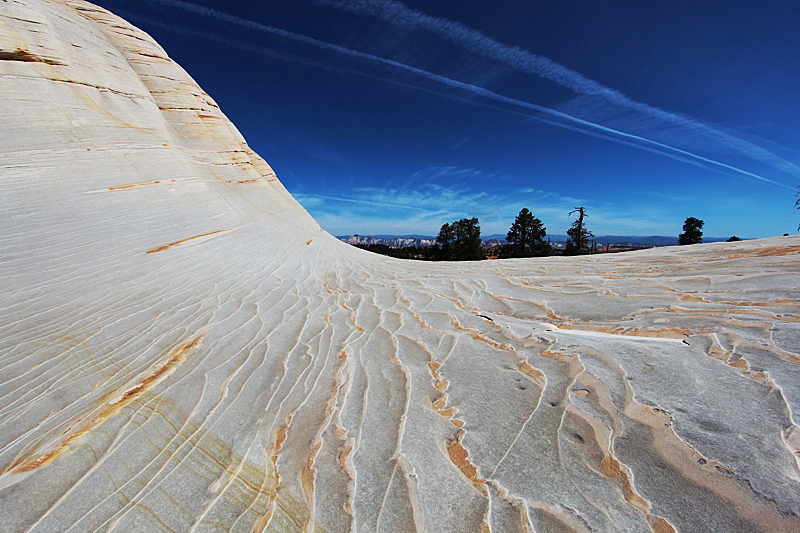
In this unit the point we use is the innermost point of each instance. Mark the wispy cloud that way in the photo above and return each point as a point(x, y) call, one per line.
point(375, 210)
point(398, 14)
point(381, 200)
point(449, 174)
point(395, 11)
point(426, 207)
point(460, 143)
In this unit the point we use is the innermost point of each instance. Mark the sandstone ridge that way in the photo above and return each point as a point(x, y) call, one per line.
point(184, 349)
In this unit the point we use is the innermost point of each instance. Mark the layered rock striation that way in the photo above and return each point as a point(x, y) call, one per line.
point(182, 348)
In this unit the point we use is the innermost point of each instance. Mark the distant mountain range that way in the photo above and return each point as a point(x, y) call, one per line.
point(404, 241)
point(427, 240)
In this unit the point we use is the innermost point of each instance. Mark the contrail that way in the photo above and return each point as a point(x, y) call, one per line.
point(366, 202)
point(635, 139)
point(398, 14)
point(611, 137)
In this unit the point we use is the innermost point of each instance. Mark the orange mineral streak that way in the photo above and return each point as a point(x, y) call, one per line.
point(741, 364)
point(460, 457)
point(174, 358)
point(591, 327)
point(558, 356)
point(771, 302)
point(768, 251)
point(170, 245)
point(476, 335)
point(659, 525)
point(611, 468)
point(761, 377)
point(287, 508)
point(435, 366)
point(26, 57)
point(439, 383)
point(552, 316)
point(280, 437)
point(343, 457)
point(309, 474)
point(666, 333)
point(662, 333)
point(149, 381)
point(440, 403)
point(534, 373)
point(132, 185)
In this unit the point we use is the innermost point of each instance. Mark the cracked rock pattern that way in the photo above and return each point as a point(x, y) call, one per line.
point(182, 348)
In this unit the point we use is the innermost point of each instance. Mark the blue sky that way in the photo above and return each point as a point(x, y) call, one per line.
point(386, 117)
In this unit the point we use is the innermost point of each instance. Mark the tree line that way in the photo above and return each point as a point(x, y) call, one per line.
point(460, 240)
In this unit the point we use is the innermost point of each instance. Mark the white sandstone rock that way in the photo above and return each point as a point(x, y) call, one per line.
point(184, 349)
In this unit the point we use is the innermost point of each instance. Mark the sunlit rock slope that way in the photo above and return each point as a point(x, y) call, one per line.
point(182, 348)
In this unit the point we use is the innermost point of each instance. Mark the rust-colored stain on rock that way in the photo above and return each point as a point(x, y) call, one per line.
point(659, 525)
point(460, 457)
point(174, 357)
point(26, 57)
point(132, 185)
point(534, 373)
point(175, 243)
point(611, 468)
point(768, 251)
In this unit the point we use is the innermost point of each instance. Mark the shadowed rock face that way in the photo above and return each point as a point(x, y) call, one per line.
point(184, 349)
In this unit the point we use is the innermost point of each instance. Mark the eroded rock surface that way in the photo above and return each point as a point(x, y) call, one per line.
point(184, 349)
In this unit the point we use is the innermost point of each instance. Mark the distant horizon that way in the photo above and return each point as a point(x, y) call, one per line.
point(563, 234)
point(401, 116)
point(500, 236)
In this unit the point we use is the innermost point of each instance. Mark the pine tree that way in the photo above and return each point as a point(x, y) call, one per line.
point(461, 240)
point(692, 231)
point(468, 239)
point(526, 235)
point(445, 240)
point(797, 205)
point(578, 236)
